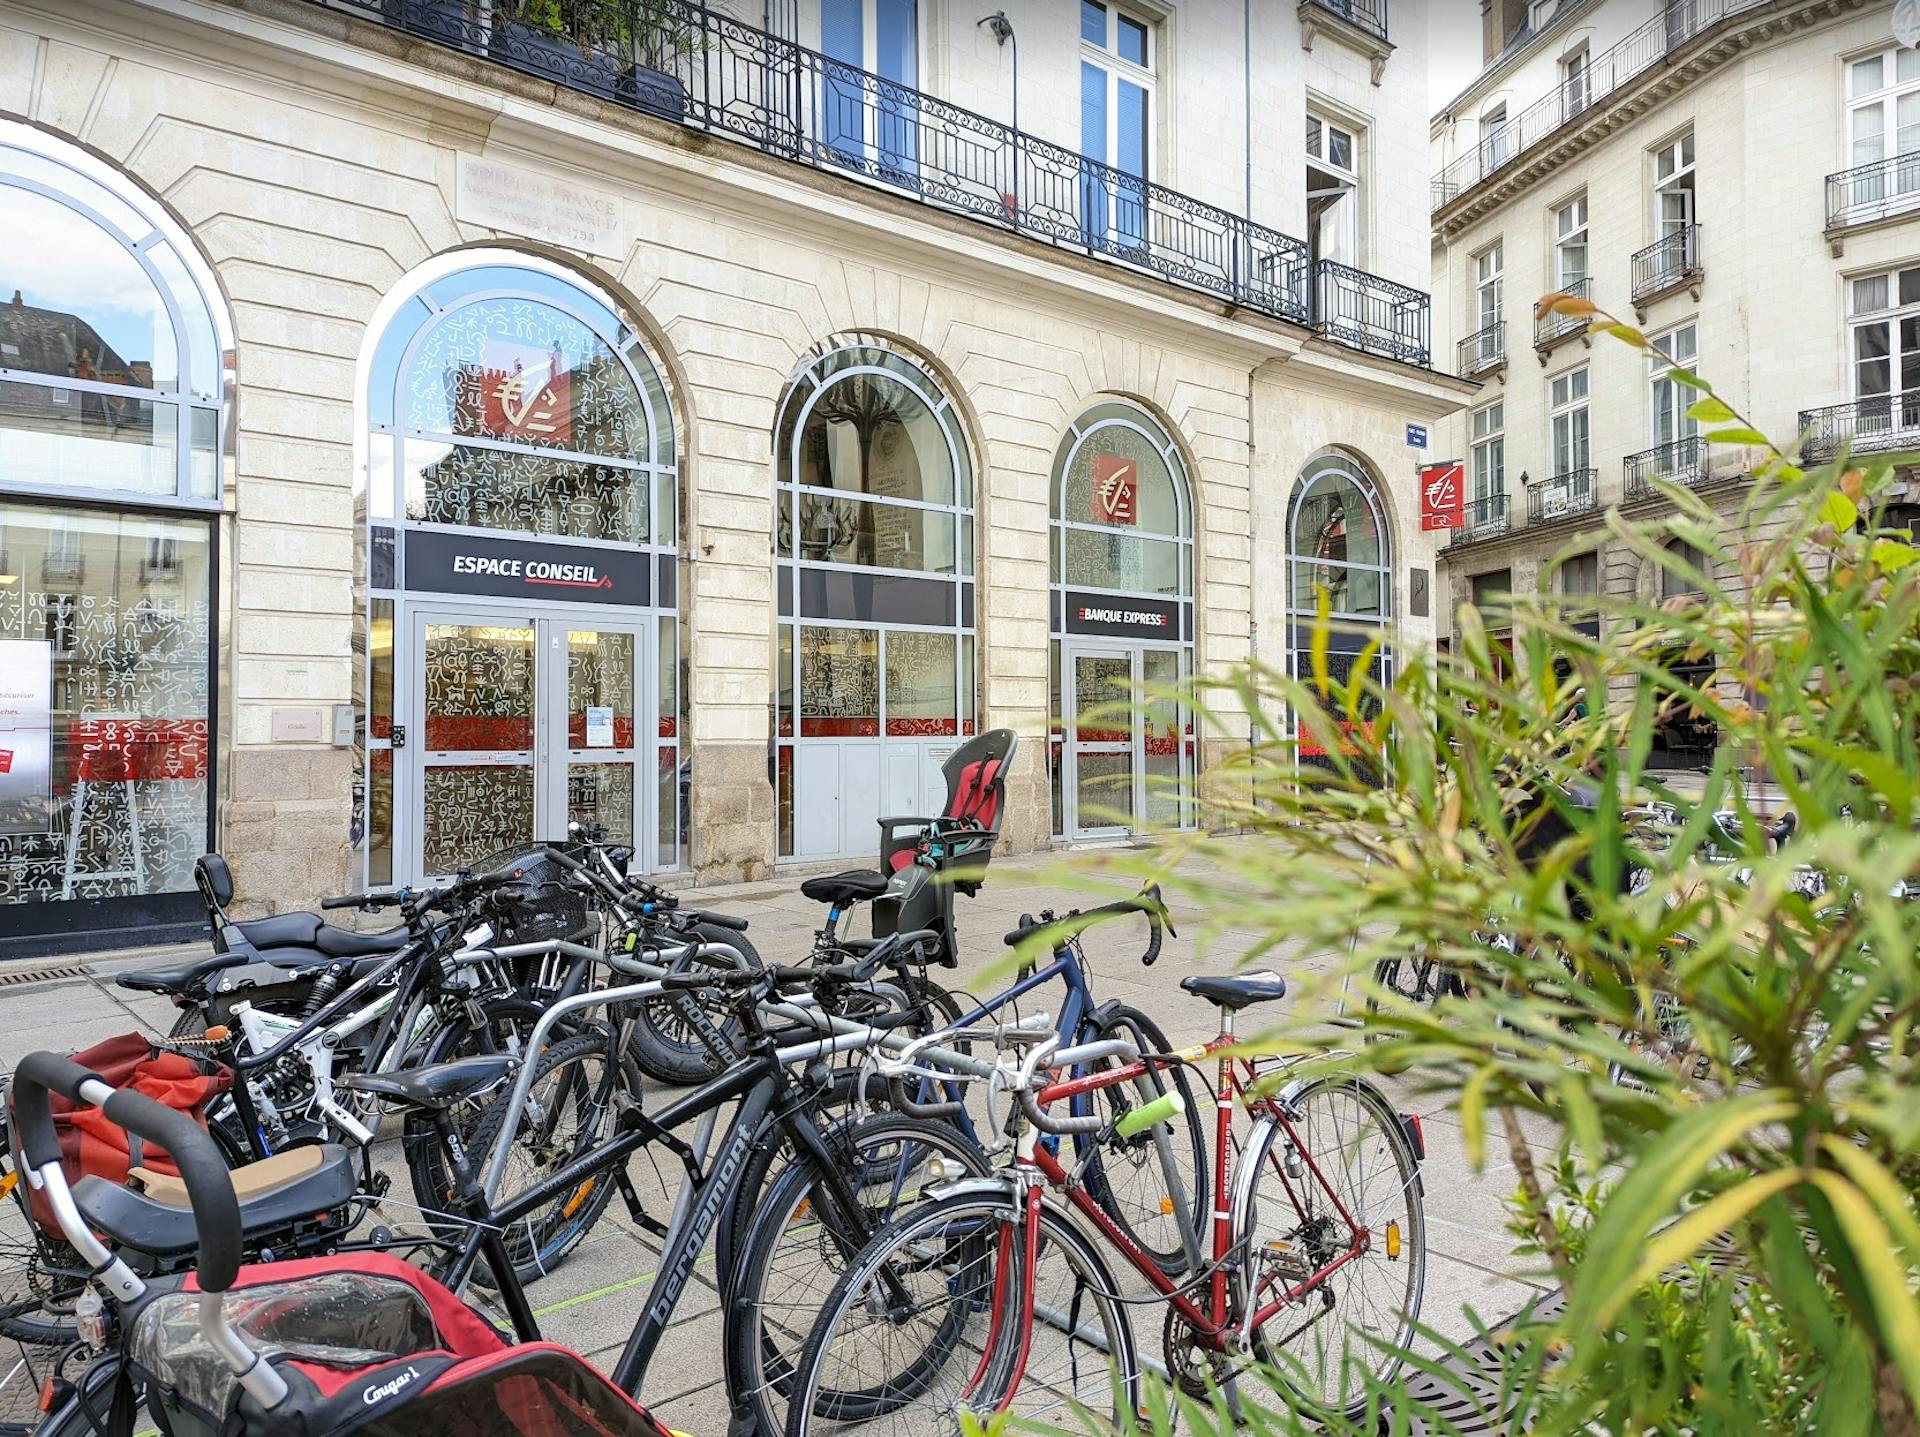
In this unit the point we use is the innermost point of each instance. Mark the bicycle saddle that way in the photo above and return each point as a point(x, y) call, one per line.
point(439, 1086)
point(181, 977)
point(1240, 990)
point(153, 1224)
point(843, 890)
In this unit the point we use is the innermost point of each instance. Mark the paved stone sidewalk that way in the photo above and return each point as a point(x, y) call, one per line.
point(591, 1301)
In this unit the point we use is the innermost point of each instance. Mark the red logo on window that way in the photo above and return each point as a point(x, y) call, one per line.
point(1442, 496)
point(6, 760)
point(518, 393)
point(1116, 488)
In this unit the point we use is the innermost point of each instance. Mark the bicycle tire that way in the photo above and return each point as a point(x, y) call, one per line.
point(837, 1104)
point(953, 1243)
point(768, 1300)
point(189, 1023)
point(1295, 1199)
point(540, 1242)
point(1126, 1190)
point(663, 1041)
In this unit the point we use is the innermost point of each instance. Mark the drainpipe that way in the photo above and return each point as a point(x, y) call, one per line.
point(1246, 108)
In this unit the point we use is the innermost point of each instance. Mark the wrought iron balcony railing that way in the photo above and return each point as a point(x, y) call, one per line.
point(1678, 22)
point(1878, 424)
point(1667, 263)
point(1368, 15)
point(1484, 518)
point(682, 61)
point(1483, 351)
point(1682, 462)
point(1563, 496)
point(1872, 192)
point(1552, 328)
point(1364, 311)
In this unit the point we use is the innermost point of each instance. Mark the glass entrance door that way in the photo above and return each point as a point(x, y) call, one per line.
point(515, 726)
point(1103, 760)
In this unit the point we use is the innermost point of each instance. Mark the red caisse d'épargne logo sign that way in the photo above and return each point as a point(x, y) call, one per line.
point(1116, 490)
point(1443, 495)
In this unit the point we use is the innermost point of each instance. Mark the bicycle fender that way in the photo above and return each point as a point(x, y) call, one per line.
point(986, 1187)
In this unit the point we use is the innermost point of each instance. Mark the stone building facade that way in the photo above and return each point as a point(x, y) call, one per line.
point(1732, 176)
point(571, 435)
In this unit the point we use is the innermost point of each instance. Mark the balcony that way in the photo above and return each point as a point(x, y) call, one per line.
point(1483, 518)
point(1879, 424)
point(1668, 264)
point(1683, 462)
point(1550, 329)
point(1643, 49)
point(1878, 191)
point(1367, 15)
point(680, 61)
point(1565, 496)
point(1364, 311)
point(1483, 352)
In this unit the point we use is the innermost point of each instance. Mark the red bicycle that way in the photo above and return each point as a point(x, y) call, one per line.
point(993, 1296)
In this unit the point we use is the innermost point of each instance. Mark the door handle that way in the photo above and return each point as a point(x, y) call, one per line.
point(399, 739)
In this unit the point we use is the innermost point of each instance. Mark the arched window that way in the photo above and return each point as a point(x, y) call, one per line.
point(1123, 621)
point(1339, 544)
point(521, 497)
point(115, 354)
point(873, 540)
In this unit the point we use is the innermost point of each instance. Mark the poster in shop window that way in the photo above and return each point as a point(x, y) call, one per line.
point(26, 734)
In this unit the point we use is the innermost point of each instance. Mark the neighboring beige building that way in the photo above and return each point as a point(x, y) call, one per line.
point(500, 359)
point(1741, 178)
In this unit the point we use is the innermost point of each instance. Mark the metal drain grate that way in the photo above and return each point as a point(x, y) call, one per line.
point(19, 975)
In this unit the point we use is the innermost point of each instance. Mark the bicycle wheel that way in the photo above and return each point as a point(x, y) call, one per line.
point(1336, 1182)
point(36, 1322)
point(916, 1330)
point(571, 1107)
point(664, 1043)
point(836, 1103)
point(797, 1246)
point(1126, 1176)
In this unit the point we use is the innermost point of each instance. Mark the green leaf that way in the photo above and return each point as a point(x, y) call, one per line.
point(1884, 1274)
point(1686, 378)
point(1711, 410)
point(1736, 436)
point(1626, 333)
point(1892, 555)
point(1838, 510)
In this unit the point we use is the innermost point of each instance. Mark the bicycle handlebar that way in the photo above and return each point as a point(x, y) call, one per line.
point(1059, 932)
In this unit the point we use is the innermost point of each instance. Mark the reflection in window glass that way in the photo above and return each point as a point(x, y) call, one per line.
point(106, 618)
point(1336, 522)
point(1349, 590)
point(488, 488)
point(921, 698)
point(1119, 479)
point(79, 305)
point(836, 530)
point(871, 434)
point(839, 683)
point(1120, 561)
point(85, 440)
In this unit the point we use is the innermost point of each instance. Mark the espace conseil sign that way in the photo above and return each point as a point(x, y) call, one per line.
point(524, 569)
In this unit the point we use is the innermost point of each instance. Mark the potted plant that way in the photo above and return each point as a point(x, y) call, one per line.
point(625, 50)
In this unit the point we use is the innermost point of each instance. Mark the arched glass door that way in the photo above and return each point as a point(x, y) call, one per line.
point(522, 632)
point(1123, 622)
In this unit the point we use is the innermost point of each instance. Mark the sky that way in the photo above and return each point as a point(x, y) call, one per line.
point(1453, 47)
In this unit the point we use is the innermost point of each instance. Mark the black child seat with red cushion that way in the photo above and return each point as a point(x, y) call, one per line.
point(366, 1344)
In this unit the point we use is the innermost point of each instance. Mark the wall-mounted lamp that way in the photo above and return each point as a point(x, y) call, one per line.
point(1001, 28)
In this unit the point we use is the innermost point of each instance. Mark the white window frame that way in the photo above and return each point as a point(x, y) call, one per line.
point(1570, 420)
point(1489, 285)
point(1107, 57)
point(1663, 394)
point(1576, 81)
point(1570, 231)
point(1488, 428)
point(1495, 150)
point(1681, 179)
point(1890, 316)
point(1334, 228)
point(1899, 183)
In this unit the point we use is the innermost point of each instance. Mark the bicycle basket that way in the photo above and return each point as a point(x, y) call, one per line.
point(366, 1345)
point(556, 911)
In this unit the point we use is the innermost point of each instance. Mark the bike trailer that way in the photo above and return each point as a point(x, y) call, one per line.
point(93, 1145)
point(366, 1344)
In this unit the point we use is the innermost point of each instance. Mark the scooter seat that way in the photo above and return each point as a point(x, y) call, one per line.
point(282, 930)
point(152, 1225)
point(181, 978)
